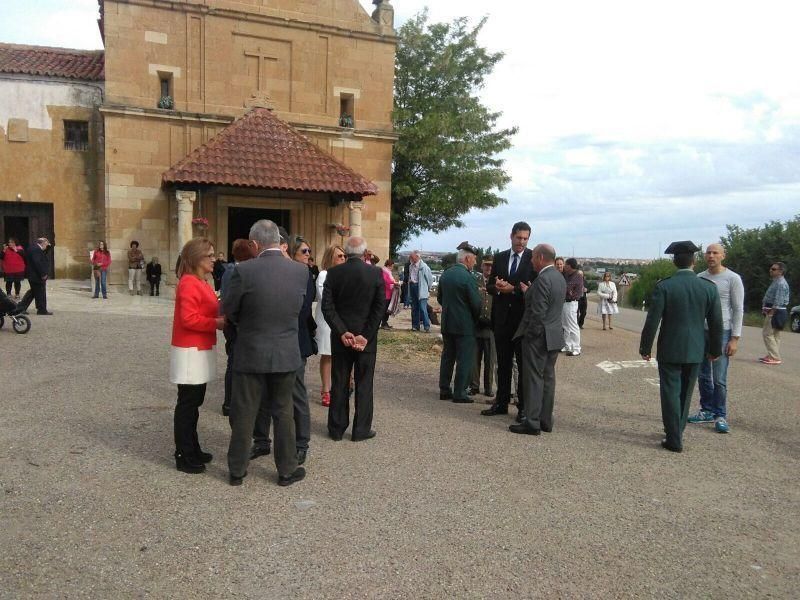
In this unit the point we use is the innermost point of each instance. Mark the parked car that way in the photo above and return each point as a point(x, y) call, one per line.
point(794, 319)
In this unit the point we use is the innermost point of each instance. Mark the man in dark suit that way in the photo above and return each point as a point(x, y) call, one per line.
point(264, 299)
point(542, 338)
point(512, 273)
point(37, 267)
point(682, 304)
point(461, 304)
point(352, 304)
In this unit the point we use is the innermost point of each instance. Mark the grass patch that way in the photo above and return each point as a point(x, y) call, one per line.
point(398, 344)
point(753, 319)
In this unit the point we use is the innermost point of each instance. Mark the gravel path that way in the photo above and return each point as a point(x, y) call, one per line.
point(443, 503)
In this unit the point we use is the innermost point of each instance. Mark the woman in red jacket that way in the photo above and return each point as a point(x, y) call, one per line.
point(192, 359)
point(13, 266)
point(101, 260)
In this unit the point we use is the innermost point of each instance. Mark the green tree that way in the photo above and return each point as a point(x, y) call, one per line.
point(445, 161)
point(750, 252)
point(642, 288)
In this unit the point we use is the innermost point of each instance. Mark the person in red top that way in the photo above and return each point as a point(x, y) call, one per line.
point(192, 361)
point(13, 266)
point(388, 285)
point(101, 260)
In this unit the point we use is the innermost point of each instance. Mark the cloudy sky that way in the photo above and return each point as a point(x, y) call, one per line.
point(639, 122)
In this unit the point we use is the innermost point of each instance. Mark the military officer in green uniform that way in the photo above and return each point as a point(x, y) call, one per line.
point(682, 304)
point(485, 352)
point(461, 304)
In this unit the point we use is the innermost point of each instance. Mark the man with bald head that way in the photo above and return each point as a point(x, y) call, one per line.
point(353, 306)
point(542, 340)
point(713, 378)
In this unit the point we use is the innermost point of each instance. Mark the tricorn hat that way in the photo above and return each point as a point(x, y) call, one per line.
point(468, 247)
point(685, 247)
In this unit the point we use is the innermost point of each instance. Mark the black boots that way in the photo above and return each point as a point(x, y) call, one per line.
point(189, 464)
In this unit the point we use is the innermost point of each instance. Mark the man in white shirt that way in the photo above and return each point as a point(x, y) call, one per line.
point(713, 377)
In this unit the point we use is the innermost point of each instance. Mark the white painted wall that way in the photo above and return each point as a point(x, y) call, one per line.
point(22, 98)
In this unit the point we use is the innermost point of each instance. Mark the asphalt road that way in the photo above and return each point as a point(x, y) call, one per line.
point(443, 503)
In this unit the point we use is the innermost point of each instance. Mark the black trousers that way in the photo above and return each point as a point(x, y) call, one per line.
point(154, 287)
point(37, 292)
point(363, 366)
point(386, 313)
point(190, 398)
point(16, 283)
point(507, 350)
point(583, 305)
point(300, 409)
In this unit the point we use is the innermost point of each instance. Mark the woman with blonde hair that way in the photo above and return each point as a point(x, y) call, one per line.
point(608, 299)
point(192, 361)
point(333, 256)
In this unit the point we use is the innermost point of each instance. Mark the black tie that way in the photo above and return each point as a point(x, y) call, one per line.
point(513, 266)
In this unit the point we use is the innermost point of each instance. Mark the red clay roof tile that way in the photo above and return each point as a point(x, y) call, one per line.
point(86, 65)
point(259, 150)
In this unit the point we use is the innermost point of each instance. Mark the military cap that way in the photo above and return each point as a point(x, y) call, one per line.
point(468, 247)
point(685, 247)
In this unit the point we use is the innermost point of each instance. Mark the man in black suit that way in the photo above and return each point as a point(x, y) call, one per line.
point(264, 299)
point(512, 273)
point(352, 304)
point(542, 338)
point(37, 267)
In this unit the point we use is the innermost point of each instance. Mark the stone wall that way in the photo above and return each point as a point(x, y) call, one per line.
point(35, 164)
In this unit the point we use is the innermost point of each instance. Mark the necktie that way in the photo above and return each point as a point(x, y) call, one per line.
point(513, 266)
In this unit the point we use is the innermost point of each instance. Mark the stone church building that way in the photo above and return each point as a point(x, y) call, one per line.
point(198, 118)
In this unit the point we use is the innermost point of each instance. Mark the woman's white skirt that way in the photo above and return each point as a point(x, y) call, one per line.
point(190, 366)
point(607, 308)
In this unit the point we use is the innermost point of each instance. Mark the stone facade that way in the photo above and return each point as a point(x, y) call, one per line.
point(38, 168)
point(324, 66)
point(308, 60)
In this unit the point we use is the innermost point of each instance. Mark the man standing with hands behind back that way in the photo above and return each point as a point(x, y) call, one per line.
point(352, 304)
point(512, 273)
point(683, 304)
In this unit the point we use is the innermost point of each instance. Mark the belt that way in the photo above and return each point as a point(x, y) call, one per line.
point(570, 301)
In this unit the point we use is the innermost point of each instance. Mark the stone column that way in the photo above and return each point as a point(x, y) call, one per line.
point(355, 218)
point(185, 211)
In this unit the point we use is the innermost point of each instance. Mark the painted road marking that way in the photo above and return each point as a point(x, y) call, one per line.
point(610, 366)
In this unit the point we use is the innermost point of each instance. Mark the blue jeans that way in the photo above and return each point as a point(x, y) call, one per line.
point(100, 283)
point(419, 308)
point(713, 381)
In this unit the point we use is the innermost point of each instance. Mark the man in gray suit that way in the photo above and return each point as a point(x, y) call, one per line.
point(264, 299)
point(542, 339)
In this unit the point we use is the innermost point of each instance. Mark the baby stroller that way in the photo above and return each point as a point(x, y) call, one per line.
point(8, 308)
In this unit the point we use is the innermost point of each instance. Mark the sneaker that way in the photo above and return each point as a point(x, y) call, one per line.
point(771, 361)
point(701, 416)
point(721, 425)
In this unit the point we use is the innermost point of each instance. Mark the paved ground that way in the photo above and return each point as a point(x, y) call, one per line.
point(443, 503)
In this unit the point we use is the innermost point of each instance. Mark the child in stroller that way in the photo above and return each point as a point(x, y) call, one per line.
point(8, 308)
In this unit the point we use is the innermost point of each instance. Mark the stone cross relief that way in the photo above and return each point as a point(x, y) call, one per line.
point(260, 97)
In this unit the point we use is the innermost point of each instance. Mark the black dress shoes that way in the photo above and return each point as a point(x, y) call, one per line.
point(299, 474)
point(445, 395)
point(669, 447)
point(463, 400)
point(523, 429)
point(188, 464)
point(473, 391)
point(257, 451)
point(367, 436)
point(495, 409)
point(203, 457)
point(43, 312)
point(547, 429)
point(233, 480)
point(301, 456)
point(336, 437)
point(226, 410)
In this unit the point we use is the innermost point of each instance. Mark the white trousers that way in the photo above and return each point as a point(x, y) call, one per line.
point(569, 323)
point(135, 278)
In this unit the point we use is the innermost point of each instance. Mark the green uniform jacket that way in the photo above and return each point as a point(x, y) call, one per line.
point(682, 304)
point(460, 300)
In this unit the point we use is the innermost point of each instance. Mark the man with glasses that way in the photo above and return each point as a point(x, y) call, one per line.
point(773, 307)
